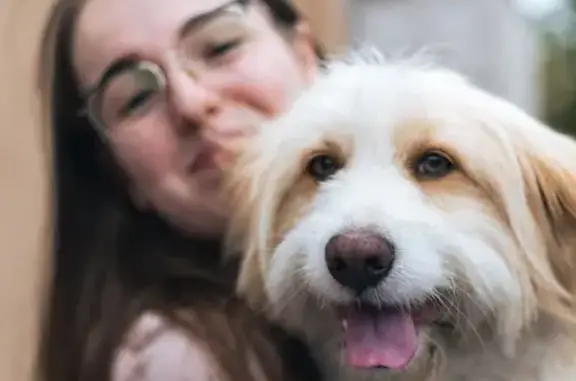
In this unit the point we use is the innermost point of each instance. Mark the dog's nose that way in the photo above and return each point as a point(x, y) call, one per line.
point(359, 259)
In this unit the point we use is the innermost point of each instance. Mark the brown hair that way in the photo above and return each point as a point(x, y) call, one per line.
point(112, 262)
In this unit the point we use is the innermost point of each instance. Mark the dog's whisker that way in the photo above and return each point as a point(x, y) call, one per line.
point(463, 316)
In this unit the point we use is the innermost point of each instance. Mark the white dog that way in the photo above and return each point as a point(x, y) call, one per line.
point(410, 226)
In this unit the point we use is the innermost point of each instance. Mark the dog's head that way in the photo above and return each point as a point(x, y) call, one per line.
point(393, 200)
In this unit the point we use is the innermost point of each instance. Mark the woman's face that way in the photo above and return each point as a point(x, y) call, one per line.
point(182, 80)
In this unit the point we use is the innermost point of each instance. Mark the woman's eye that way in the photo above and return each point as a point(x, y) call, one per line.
point(139, 100)
point(433, 165)
point(218, 50)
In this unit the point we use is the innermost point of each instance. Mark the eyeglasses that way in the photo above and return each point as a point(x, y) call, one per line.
point(131, 88)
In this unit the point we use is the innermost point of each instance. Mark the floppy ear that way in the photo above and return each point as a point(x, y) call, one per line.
point(548, 162)
point(553, 183)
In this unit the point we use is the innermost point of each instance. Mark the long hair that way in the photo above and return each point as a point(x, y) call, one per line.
point(112, 262)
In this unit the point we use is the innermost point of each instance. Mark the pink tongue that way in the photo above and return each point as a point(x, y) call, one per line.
point(380, 338)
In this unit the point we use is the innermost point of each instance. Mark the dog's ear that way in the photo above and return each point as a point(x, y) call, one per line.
point(550, 177)
point(548, 162)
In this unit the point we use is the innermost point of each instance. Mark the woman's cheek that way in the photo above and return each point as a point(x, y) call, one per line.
point(146, 154)
point(269, 82)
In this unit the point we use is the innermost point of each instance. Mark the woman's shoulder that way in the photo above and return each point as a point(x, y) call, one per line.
point(155, 349)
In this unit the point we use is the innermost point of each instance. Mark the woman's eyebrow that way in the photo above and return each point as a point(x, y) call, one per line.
point(116, 67)
point(201, 19)
point(127, 62)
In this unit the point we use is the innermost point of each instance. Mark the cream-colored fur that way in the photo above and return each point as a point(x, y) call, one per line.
point(494, 240)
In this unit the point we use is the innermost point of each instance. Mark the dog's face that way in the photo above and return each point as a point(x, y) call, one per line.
point(393, 203)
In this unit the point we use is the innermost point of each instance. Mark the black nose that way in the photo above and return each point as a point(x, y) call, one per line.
point(359, 259)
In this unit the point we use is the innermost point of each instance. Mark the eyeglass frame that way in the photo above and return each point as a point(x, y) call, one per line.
point(91, 96)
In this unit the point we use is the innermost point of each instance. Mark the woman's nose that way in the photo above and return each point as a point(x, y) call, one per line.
point(191, 102)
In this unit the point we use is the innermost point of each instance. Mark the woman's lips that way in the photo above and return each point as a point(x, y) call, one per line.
point(205, 160)
point(211, 159)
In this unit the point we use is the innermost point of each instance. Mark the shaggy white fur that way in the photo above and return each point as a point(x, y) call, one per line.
point(471, 203)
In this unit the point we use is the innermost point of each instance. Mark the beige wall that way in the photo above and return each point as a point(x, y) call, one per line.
point(24, 179)
point(328, 21)
point(22, 190)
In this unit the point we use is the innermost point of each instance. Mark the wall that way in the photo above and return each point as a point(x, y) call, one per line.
point(328, 19)
point(23, 189)
point(486, 40)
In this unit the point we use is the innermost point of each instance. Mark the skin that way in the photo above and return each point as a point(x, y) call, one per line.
point(173, 152)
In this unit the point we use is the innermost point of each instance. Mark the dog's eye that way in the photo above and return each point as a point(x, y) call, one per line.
point(321, 167)
point(433, 165)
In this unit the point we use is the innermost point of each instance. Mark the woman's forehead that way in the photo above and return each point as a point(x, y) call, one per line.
point(109, 29)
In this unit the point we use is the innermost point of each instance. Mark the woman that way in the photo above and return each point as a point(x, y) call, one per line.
point(142, 96)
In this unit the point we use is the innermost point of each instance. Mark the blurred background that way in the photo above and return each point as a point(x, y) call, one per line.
point(523, 50)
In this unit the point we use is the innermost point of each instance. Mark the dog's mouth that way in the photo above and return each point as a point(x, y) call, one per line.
point(383, 337)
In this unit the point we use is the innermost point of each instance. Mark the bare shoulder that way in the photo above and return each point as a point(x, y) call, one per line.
point(156, 350)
